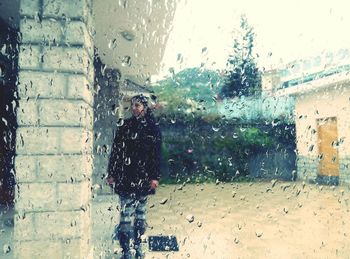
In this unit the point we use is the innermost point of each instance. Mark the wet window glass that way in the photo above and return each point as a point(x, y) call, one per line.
point(174, 129)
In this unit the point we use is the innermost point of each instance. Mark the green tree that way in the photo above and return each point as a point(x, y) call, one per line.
point(242, 75)
point(190, 92)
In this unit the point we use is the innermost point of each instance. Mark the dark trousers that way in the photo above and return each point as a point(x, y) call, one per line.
point(132, 223)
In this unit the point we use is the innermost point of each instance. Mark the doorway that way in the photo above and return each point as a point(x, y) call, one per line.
point(328, 168)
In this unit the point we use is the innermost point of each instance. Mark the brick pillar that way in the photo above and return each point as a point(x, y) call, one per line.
point(54, 138)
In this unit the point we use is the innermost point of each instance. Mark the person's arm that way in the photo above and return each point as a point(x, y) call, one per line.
point(154, 172)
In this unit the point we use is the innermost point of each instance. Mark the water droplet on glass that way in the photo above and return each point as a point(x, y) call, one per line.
point(128, 35)
point(127, 161)
point(4, 120)
point(179, 58)
point(120, 122)
point(233, 194)
point(126, 61)
point(259, 233)
point(273, 183)
point(163, 201)
point(215, 129)
point(112, 44)
point(190, 218)
point(6, 249)
point(311, 148)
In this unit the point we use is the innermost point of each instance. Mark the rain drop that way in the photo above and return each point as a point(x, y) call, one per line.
point(4, 120)
point(311, 148)
point(112, 44)
point(120, 122)
point(215, 129)
point(259, 233)
point(163, 201)
point(6, 249)
point(126, 61)
point(190, 218)
point(127, 161)
point(233, 194)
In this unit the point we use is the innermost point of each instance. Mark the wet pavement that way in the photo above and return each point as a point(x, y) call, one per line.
point(246, 220)
point(239, 220)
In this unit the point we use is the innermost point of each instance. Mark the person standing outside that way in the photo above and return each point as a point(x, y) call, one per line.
point(134, 172)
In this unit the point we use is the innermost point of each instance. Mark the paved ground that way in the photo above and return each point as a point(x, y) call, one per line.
point(259, 220)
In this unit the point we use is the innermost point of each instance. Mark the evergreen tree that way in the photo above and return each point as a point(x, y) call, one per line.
point(242, 74)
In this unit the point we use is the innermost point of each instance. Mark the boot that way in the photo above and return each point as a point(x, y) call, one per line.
point(139, 230)
point(124, 235)
point(139, 253)
point(124, 241)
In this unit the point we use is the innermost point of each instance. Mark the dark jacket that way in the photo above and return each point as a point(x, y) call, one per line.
point(135, 156)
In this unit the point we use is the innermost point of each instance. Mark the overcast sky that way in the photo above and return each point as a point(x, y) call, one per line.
point(286, 30)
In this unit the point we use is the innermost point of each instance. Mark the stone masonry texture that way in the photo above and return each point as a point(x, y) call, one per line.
point(55, 134)
point(308, 168)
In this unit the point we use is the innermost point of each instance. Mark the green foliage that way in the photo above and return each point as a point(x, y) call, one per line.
point(197, 152)
point(189, 93)
point(242, 76)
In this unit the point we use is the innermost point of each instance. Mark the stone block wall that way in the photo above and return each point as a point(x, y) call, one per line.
point(307, 168)
point(344, 172)
point(55, 134)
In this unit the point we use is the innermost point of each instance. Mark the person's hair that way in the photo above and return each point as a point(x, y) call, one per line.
point(141, 99)
point(149, 116)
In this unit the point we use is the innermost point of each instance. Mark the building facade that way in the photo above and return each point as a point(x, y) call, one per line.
point(59, 108)
point(322, 120)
